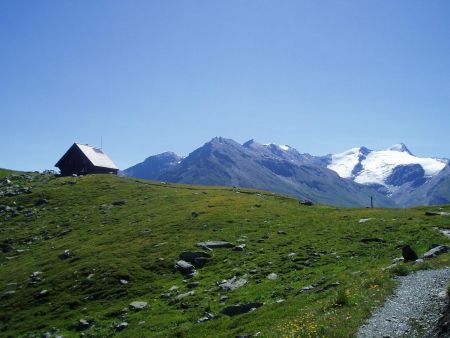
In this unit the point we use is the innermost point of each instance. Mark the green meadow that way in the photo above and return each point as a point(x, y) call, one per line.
point(124, 237)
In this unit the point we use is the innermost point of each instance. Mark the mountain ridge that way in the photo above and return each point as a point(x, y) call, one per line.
point(347, 179)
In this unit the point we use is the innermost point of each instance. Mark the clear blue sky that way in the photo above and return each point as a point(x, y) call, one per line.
point(150, 76)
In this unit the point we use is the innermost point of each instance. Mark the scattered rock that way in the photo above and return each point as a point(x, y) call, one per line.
point(445, 232)
point(42, 294)
point(408, 254)
point(118, 203)
point(194, 214)
point(138, 305)
point(233, 283)
point(306, 202)
point(330, 286)
point(34, 278)
point(437, 213)
point(215, 244)
point(281, 232)
point(66, 254)
point(238, 309)
point(184, 295)
point(364, 220)
point(41, 201)
point(436, 251)
point(239, 247)
point(184, 267)
point(419, 261)
point(198, 258)
point(279, 301)
point(272, 276)
point(83, 324)
point(121, 326)
point(307, 288)
point(206, 317)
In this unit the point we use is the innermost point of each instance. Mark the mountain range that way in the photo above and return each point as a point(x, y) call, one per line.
point(393, 177)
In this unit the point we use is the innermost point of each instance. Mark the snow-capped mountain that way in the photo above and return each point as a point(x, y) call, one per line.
point(278, 168)
point(392, 169)
point(393, 177)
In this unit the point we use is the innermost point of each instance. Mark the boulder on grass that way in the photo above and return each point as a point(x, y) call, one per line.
point(238, 309)
point(436, 251)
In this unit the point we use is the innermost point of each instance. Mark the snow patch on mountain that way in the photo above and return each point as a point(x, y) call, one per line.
point(344, 163)
point(374, 167)
point(378, 165)
point(283, 147)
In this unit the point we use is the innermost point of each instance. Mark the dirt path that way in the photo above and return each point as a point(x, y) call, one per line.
point(413, 310)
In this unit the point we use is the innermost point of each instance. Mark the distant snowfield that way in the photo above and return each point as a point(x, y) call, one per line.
point(377, 166)
point(344, 163)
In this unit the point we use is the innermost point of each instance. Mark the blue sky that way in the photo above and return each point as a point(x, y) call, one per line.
point(150, 76)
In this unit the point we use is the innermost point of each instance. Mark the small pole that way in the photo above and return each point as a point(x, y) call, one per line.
point(371, 202)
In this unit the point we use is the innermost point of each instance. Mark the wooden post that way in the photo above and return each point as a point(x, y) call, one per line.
point(371, 202)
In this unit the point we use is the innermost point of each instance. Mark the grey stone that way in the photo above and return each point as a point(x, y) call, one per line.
point(272, 276)
point(121, 326)
point(232, 284)
point(83, 324)
point(206, 317)
point(41, 201)
point(191, 256)
point(238, 309)
point(364, 220)
point(66, 254)
point(42, 294)
point(436, 251)
point(184, 295)
point(215, 244)
point(239, 247)
point(138, 305)
point(307, 288)
point(184, 267)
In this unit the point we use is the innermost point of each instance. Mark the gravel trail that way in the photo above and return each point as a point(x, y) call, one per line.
point(414, 308)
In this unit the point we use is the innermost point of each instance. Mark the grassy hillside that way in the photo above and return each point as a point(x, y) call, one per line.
point(124, 237)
